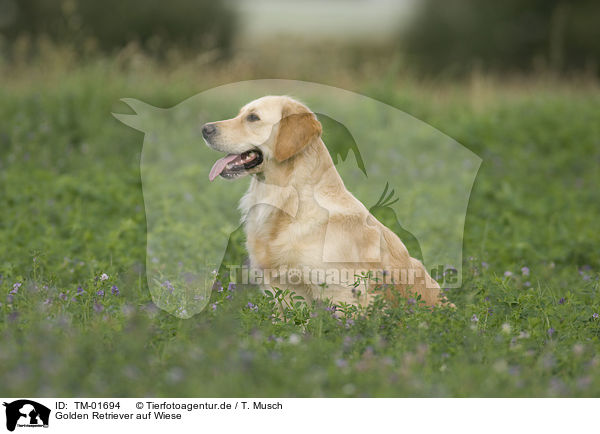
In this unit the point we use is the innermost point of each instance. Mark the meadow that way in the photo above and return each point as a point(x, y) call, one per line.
point(77, 319)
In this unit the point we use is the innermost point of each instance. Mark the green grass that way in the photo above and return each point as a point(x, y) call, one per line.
point(71, 209)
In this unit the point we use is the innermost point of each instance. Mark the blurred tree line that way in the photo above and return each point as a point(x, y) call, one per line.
point(111, 24)
point(454, 36)
point(444, 36)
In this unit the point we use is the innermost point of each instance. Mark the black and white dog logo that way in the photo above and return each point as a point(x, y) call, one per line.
point(26, 413)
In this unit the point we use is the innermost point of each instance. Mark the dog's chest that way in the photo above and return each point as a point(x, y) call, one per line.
point(276, 239)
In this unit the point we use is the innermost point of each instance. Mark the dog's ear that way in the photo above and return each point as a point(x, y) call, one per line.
point(296, 130)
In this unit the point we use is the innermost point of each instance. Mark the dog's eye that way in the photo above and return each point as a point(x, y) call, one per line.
point(252, 117)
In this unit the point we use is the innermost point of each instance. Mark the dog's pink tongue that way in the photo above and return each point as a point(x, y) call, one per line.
point(219, 166)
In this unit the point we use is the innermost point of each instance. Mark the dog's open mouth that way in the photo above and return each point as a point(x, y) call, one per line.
point(234, 165)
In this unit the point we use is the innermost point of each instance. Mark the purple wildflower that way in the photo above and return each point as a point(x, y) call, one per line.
point(508, 273)
point(231, 286)
point(411, 301)
point(252, 306)
point(98, 307)
point(349, 323)
point(48, 301)
point(484, 264)
point(527, 284)
point(551, 331)
point(214, 306)
point(341, 363)
point(103, 277)
point(167, 284)
point(114, 290)
point(63, 296)
point(525, 271)
point(16, 287)
point(474, 318)
point(217, 286)
point(100, 292)
point(561, 301)
point(595, 315)
point(80, 290)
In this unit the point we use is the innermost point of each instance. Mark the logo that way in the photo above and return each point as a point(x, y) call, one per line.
point(26, 413)
point(410, 176)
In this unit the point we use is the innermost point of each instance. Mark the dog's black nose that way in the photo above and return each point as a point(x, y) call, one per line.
point(208, 130)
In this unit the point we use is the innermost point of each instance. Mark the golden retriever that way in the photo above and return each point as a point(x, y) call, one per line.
point(304, 230)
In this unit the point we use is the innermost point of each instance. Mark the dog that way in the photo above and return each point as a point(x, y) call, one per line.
point(304, 230)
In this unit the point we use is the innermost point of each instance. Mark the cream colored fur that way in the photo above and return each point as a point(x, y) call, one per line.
point(297, 213)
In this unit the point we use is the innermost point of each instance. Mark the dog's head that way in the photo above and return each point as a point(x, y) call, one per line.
point(268, 131)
